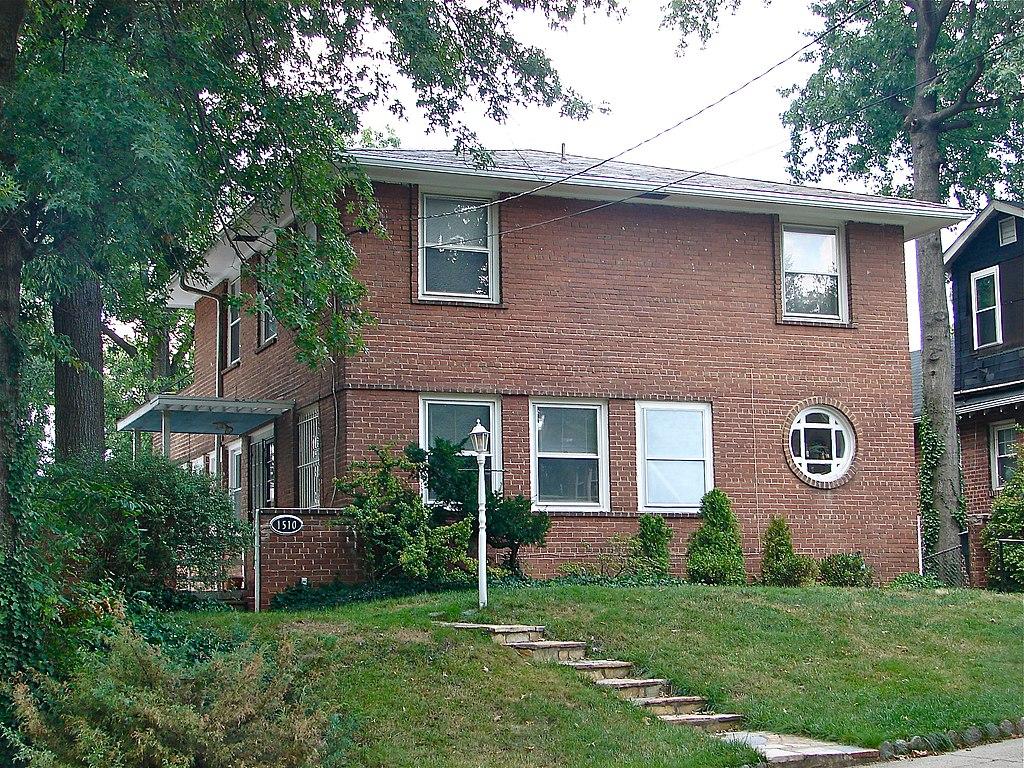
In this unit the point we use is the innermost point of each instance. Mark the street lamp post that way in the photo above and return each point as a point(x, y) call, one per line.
point(479, 437)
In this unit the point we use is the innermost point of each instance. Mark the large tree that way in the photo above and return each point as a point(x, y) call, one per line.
point(135, 132)
point(919, 98)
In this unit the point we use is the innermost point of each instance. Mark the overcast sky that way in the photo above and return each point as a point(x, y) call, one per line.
point(632, 67)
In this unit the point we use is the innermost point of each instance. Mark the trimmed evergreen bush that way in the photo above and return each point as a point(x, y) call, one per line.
point(714, 554)
point(649, 547)
point(845, 569)
point(780, 565)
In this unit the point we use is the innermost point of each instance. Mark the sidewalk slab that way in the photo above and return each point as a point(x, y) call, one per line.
point(781, 749)
point(1002, 754)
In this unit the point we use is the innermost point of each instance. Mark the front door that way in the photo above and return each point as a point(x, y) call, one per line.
point(262, 477)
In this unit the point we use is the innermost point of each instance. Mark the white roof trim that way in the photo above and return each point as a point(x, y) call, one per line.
point(213, 405)
point(985, 405)
point(979, 221)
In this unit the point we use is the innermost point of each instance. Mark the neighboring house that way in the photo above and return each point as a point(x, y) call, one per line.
point(986, 268)
point(627, 357)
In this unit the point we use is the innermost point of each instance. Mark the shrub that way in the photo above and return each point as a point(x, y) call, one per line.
point(649, 547)
point(780, 566)
point(393, 524)
point(714, 554)
point(914, 581)
point(141, 523)
point(512, 522)
point(1007, 522)
point(845, 569)
point(133, 706)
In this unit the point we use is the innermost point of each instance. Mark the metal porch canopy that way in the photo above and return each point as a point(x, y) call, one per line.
point(202, 415)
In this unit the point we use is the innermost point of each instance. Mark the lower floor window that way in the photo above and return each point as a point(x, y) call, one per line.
point(570, 454)
point(450, 418)
point(1005, 438)
point(821, 444)
point(309, 457)
point(674, 452)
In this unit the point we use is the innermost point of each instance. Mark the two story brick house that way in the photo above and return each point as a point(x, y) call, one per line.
point(632, 336)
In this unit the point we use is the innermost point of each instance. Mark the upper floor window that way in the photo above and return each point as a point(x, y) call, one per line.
point(267, 321)
point(673, 454)
point(458, 254)
point(987, 318)
point(813, 274)
point(569, 450)
point(1004, 439)
point(234, 345)
point(1007, 231)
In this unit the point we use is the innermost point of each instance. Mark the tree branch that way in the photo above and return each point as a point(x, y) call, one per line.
point(961, 104)
point(178, 358)
point(130, 349)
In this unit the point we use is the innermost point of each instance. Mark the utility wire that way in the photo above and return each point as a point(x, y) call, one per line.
point(547, 185)
point(694, 174)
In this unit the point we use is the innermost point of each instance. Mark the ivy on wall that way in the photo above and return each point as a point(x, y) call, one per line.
point(931, 454)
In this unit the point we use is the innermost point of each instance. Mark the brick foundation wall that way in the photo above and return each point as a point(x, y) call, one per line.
point(978, 493)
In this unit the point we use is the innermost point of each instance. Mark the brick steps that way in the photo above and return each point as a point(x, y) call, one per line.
point(672, 705)
point(551, 650)
point(636, 688)
point(600, 669)
point(713, 722)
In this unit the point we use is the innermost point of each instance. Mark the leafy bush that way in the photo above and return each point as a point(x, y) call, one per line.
point(714, 554)
point(393, 524)
point(142, 523)
point(512, 522)
point(134, 706)
point(1007, 522)
point(780, 565)
point(649, 547)
point(845, 569)
point(914, 581)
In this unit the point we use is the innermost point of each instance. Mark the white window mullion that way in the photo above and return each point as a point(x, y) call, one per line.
point(595, 492)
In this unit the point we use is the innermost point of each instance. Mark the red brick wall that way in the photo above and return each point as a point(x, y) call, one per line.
point(634, 302)
point(978, 493)
point(321, 552)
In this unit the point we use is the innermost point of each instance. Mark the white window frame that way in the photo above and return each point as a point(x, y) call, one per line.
point(491, 401)
point(494, 278)
point(845, 465)
point(234, 323)
point(1007, 238)
point(642, 407)
point(841, 266)
point(266, 316)
point(308, 472)
point(234, 474)
point(604, 470)
point(981, 274)
point(993, 447)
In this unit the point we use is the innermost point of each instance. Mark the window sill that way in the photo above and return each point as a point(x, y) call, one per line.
point(230, 366)
point(266, 344)
point(578, 512)
point(437, 300)
point(816, 323)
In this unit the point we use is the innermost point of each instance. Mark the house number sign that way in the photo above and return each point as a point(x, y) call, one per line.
point(286, 525)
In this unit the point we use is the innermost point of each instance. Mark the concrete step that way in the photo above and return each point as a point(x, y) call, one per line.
point(600, 669)
point(503, 634)
point(803, 752)
point(672, 705)
point(711, 723)
point(636, 688)
point(551, 650)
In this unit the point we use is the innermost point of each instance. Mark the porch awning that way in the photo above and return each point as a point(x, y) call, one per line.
point(203, 415)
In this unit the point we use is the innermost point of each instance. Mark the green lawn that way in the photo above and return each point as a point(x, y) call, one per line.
point(857, 666)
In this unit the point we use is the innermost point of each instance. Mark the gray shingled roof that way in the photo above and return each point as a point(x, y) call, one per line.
point(539, 166)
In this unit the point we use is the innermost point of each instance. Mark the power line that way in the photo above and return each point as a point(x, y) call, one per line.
point(694, 174)
point(668, 129)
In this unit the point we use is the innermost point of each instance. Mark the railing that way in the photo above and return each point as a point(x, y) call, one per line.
point(1006, 581)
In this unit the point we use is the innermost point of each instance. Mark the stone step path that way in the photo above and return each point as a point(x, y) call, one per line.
point(653, 694)
point(656, 696)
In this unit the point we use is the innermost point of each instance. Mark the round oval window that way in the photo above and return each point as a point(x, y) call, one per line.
point(821, 444)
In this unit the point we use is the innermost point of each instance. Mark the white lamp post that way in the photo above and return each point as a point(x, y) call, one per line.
point(479, 437)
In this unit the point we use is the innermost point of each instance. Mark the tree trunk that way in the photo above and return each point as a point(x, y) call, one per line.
point(78, 388)
point(936, 340)
point(12, 261)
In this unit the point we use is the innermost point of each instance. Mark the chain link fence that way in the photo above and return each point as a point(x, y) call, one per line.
point(950, 566)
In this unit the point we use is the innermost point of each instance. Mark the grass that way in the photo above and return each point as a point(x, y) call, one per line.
point(855, 666)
